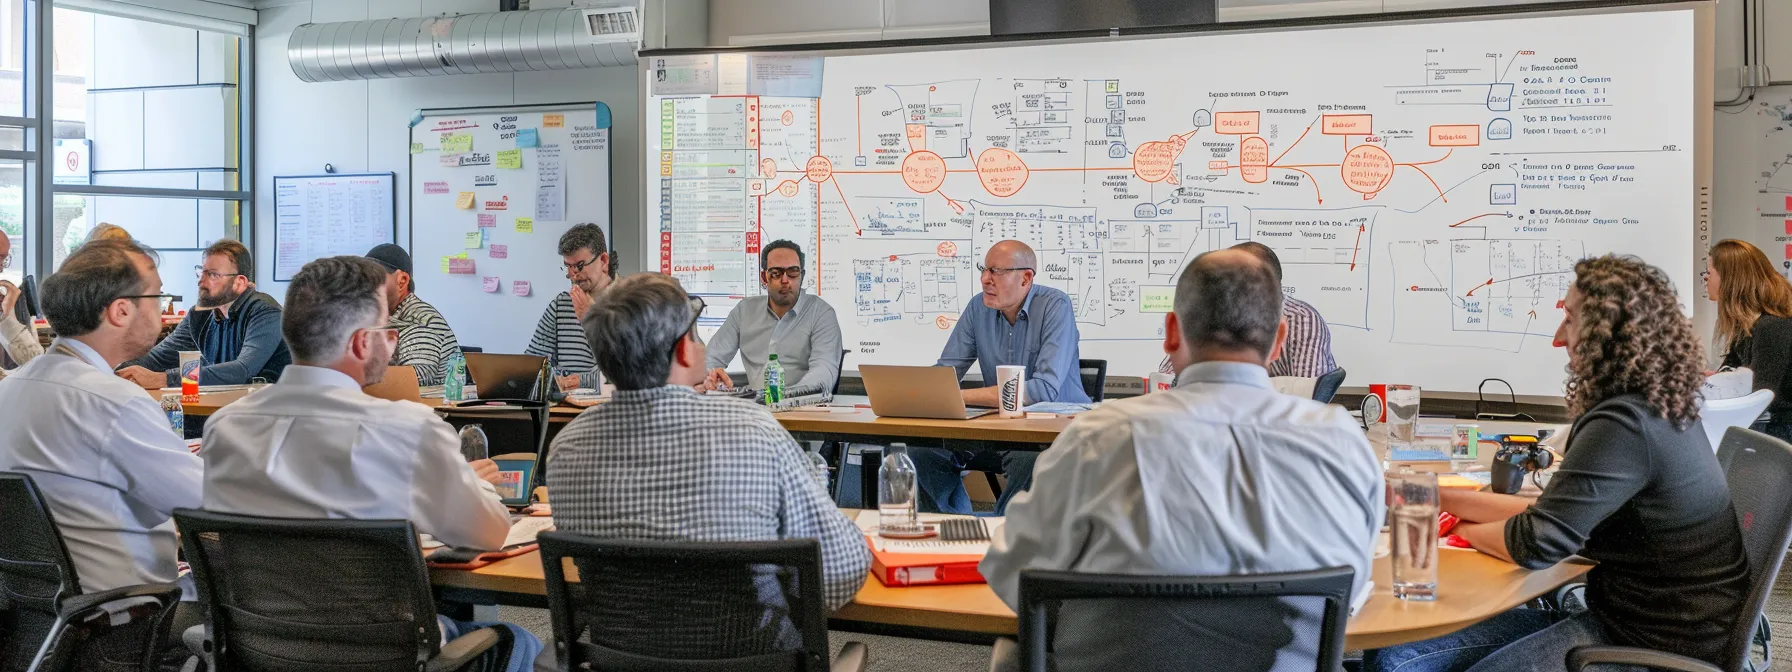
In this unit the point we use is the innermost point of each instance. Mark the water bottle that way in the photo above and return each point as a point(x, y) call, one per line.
point(177, 415)
point(774, 380)
point(453, 382)
point(896, 493)
point(819, 465)
point(473, 444)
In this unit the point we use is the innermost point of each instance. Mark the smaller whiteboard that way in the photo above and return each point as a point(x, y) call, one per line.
point(318, 216)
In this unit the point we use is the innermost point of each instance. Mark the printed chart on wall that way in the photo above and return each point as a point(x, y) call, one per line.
point(1428, 186)
point(319, 216)
point(491, 192)
point(1773, 117)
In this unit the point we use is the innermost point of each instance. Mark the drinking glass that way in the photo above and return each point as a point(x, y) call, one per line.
point(1413, 508)
point(1403, 415)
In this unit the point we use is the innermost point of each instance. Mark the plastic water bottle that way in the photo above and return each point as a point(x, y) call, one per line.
point(896, 493)
point(473, 444)
point(774, 380)
point(819, 465)
point(177, 415)
point(453, 383)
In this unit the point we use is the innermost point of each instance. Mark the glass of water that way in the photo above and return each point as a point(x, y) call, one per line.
point(1413, 508)
point(897, 494)
point(1403, 415)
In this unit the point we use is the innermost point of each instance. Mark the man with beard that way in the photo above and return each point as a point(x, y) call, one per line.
point(314, 445)
point(800, 328)
point(425, 341)
point(591, 266)
point(235, 328)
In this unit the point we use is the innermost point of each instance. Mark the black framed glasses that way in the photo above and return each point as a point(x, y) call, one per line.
point(174, 298)
point(578, 267)
point(778, 273)
point(1001, 271)
point(697, 306)
point(202, 274)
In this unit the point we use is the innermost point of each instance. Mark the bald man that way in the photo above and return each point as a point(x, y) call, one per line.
point(1013, 322)
point(18, 340)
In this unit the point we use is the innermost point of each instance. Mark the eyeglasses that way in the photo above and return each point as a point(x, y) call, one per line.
point(696, 304)
point(202, 274)
point(795, 272)
point(171, 297)
point(578, 267)
point(1001, 271)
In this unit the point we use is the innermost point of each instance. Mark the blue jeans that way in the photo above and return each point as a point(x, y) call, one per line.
point(942, 488)
point(523, 649)
point(1521, 640)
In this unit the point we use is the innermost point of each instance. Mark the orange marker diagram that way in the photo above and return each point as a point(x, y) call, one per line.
point(1367, 170)
point(1001, 171)
point(924, 171)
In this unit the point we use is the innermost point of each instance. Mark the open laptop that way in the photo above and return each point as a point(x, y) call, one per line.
point(916, 392)
point(504, 376)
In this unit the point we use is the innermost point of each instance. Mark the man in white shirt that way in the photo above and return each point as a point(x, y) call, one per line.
point(98, 446)
point(314, 445)
point(1220, 476)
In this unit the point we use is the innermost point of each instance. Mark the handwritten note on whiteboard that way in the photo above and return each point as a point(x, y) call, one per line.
point(490, 284)
point(550, 184)
point(520, 288)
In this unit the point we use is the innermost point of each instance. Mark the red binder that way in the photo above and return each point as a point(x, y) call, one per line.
point(918, 569)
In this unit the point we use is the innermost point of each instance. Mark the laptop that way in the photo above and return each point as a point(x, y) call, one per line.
point(504, 376)
point(400, 384)
point(916, 392)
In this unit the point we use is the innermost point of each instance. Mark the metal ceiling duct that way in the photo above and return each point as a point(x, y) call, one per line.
point(547, 39)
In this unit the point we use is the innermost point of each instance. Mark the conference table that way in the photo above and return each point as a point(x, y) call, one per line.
point(1472, 587)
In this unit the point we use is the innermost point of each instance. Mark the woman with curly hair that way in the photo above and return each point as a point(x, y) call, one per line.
point(1754, 324)
point(1638, 490)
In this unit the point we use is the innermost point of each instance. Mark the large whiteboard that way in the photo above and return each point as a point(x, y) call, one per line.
point(319, 216)
point(1428, 185)
point(561, 180)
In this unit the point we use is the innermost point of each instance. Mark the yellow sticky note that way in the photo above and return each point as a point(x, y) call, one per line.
point(464, 201)
point(525, 225)
point(462, 255)
point(444, 264)
point(1157, 299)
point(474, 240)
point(510, 158)
point(553, 121)
point(416, 148)
point(456, 143)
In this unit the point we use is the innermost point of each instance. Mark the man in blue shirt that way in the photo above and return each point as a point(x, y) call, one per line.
point(235, 328)
point(1015, 322)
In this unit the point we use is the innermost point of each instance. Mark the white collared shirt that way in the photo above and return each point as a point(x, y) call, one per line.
point(1220, 476)
point(315, 446)
point(105, 458)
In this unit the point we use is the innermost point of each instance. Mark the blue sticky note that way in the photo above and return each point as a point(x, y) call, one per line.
point(527, 137)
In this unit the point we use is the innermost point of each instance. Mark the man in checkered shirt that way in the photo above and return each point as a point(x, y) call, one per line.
point(661, 461)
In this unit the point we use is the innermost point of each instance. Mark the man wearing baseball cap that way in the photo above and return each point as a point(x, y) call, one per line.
point(425, 341)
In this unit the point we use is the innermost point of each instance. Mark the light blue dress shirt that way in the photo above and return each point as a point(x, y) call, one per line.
point(1042, 338)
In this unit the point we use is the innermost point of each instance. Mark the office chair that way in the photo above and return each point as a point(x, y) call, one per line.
point(678, 606)
point(1326, 388)
point(470, 348)
point(1095, 377)
point(1145, 622)
point(1717, 415)
point(46, 623)
point(290, 594)
point(1758, 468)
point(840, 373)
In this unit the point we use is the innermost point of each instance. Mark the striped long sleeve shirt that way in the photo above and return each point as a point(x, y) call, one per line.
point(559, 338)
point(425, 341)
point(1308, 352)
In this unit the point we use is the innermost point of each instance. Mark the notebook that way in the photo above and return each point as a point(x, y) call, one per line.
point(921, 562)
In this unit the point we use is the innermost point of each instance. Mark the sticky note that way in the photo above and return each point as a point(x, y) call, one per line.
point(553, 121)
point(455, 143)
point(449, 161)
point(464, 201)
point(525, 225)
point(500, 251)
point(445, 264)
point(487, 221)
point(528, 137)
point(1157, 299)
point(489, 284)
point(510, 158)
point(474, 240)
point(520, 288)
point(435, 188)
point(416, 148)
point(460, 266)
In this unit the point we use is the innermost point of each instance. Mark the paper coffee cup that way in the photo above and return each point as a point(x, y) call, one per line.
point(1159, 382)
point(1011, 383)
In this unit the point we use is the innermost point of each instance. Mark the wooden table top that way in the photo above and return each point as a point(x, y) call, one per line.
point(1472, 587)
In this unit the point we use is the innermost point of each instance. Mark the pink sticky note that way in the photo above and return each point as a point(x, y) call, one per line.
point(459, 266)
point(435, 187)
point(520, 288)
point(490, 285)
point(488, 221)
point(500, 251)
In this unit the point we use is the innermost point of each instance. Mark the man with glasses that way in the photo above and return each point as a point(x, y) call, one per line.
point(314, 445)
point(18, 340)
point(590, 266)
point(1013, 322)
point(730, 471)
point(235, 328)
point(801, 328)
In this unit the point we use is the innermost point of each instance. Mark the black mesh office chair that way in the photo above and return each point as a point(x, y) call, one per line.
point(1157, 622)
point(287, 595)
point(46, 623)
point(1326, 387)
point(1758, 468)
point(471, 348)
point(839, 372)
point(1095, 377)
point(649, 605)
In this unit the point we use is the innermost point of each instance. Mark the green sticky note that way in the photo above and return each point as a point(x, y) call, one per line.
point(1157, 299)
point(525, 225)
point(510, 158)
point(474, 240)
point(416, 148)
point(456, 143)
point(444, 264)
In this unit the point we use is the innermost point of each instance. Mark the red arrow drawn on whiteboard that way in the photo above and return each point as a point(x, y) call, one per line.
point(1359, 246)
